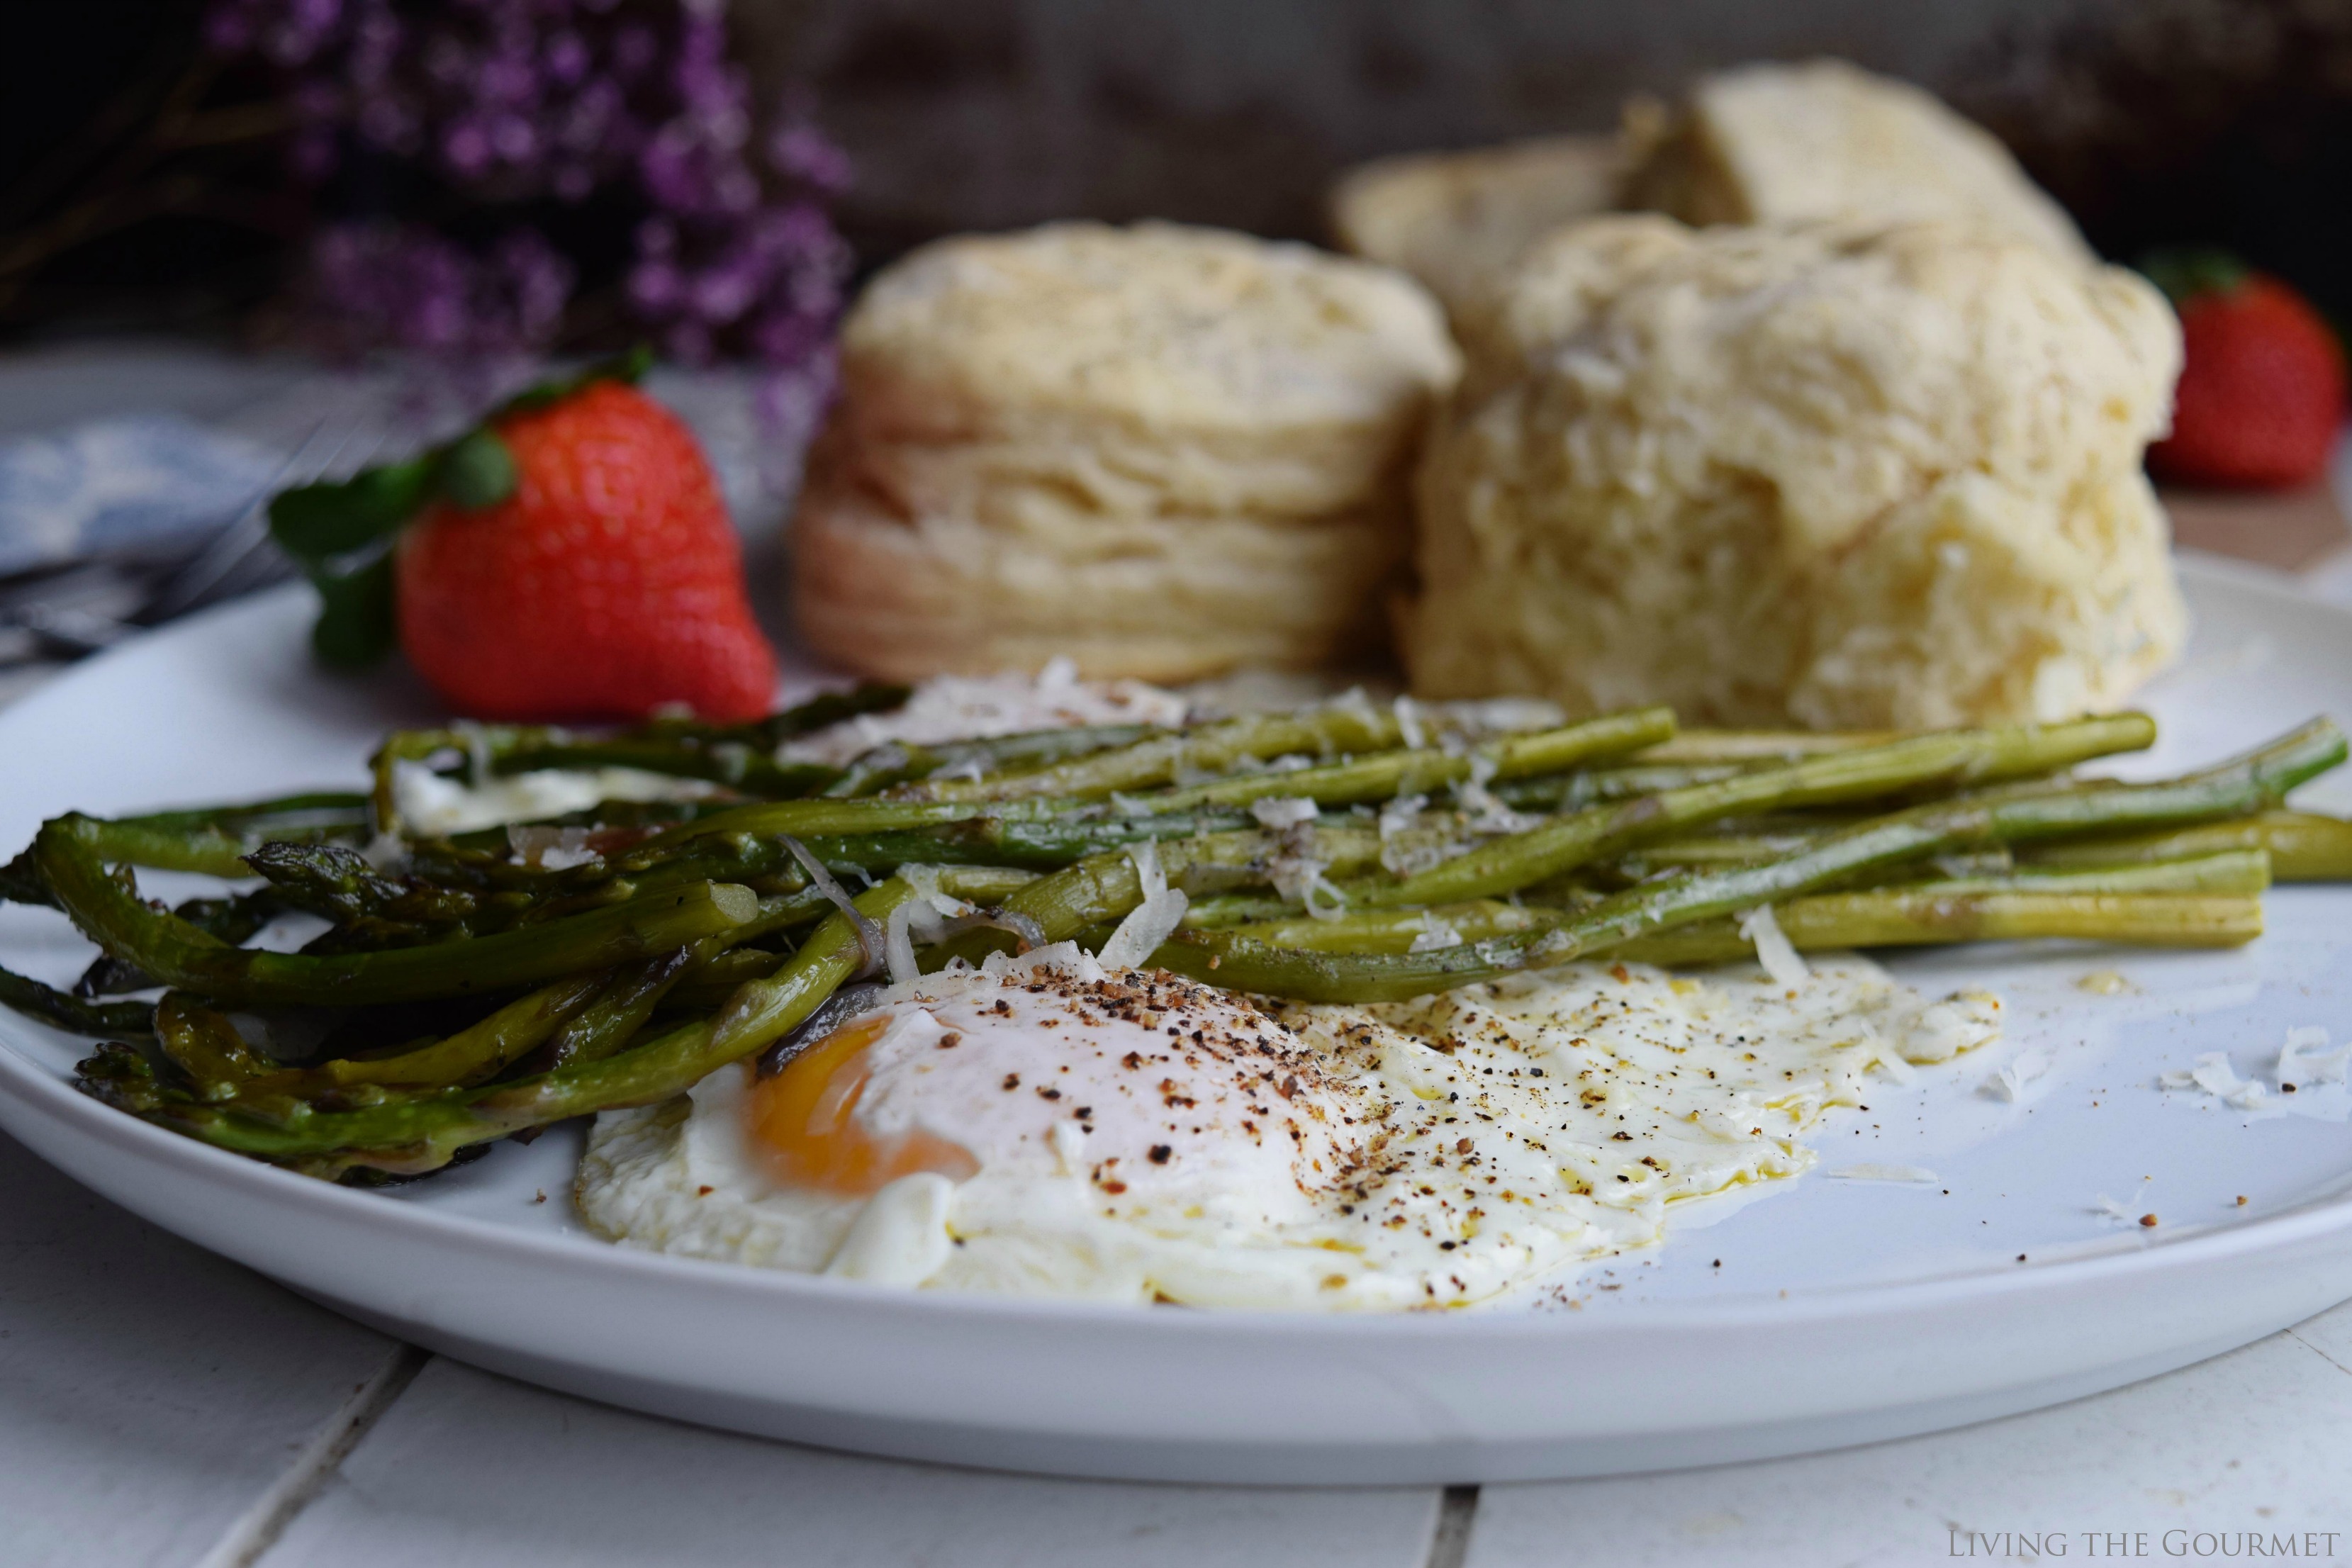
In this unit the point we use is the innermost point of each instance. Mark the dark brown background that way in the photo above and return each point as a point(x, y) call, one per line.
point(2224, 122)
point(2157, 121)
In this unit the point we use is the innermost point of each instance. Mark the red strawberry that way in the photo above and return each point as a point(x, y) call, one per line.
point(2262, 389)
point(607, 584)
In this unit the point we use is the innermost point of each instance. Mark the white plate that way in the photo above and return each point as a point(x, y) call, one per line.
point(1830, 1312)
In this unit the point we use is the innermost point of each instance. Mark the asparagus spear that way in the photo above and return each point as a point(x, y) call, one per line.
point(1895, 918)
point(2223, 872)
point(205, 1046)
point(1705, 747)
point(2254, 781)
point(1212, 748)
point(1384, 775)
point(71, 1013)
point(2303, 847)
point(2074, 895)
point(1104, 887)
point(470, 1056)
point(1953, 757)
point(178, 955)
point(215, 841)
point(414, 1134)
point(739, 756)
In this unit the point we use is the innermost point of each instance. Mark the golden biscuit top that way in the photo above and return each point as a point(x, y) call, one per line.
point(1847, 365)
point(1172, 327)
point(1824, 140)
point(1458, 220)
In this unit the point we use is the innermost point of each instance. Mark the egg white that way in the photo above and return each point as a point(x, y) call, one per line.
point(1436, 1152)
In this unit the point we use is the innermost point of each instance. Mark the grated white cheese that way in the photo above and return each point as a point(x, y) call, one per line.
point(2009, 1081)
point(1868, 1172)
point(2213, 1074)
point(1408, 718)
point(1434, 934)
point(957, 708)
point(1961, 1021)
point(1487, 814)
point(1297, 877)
point(1773, 949)
point(1151, 922)
point(433, 806)
point(551, 848)
point(2305, 1060)
point(1277, 812)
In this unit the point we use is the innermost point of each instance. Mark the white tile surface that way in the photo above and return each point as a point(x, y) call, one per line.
point(2260, 1439)
point(150, 1393)
point(470, 1469)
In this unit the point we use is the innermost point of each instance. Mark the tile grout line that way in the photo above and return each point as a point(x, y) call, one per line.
point(1449, 1544)
point(257, 1530)
point(2297, 1335)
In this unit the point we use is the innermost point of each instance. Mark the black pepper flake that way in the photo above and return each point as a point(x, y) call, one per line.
point(1159, 1154)
point(1011, 1081)
point(950, 1040)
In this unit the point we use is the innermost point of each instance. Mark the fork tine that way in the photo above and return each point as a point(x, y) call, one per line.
point(194, 582)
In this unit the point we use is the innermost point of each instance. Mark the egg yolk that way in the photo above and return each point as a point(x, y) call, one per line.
point(804, 1122)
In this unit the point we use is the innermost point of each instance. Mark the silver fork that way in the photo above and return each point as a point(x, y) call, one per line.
point(208, 574)
point(98, 603)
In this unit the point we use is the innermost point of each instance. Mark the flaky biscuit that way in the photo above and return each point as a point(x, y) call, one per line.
point(1826, 140)
point(1169, 598)
point(1220, 370)
point(1846, 476)
point(1163, 451)
point(1458, 220)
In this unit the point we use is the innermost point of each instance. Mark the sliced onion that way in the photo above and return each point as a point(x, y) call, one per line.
point(831, 1014)
point(871, 940)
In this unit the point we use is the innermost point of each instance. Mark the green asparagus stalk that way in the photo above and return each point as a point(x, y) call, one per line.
point(1708, 747)
point(71, 1013)
point(738, 756)
point(2255, 782)
point(205, 1046)
point(214, 842)
point(1106, 887)
point(2240, 871)
point(1594, 787)
point(1385, 774)
point(1340, 728)
point(470, 1056)
point(178, 955)
point(1401, 931)
point(1896, 918)
point(1952, 758)
point(2303, 847)
point(411, 1135)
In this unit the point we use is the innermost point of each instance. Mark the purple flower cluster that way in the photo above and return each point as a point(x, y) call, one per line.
point(373, 284)
point(512, 103)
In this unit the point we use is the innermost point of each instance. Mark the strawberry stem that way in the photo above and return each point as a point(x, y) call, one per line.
point(477, 470)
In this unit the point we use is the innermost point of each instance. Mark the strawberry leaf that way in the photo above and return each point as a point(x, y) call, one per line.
point(319, 523)
point(2185, 273)
point(624, 367)
point(477, 470)
point(356, 625)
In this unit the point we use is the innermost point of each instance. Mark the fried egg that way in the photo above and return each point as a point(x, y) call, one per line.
point(1042, 1126)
